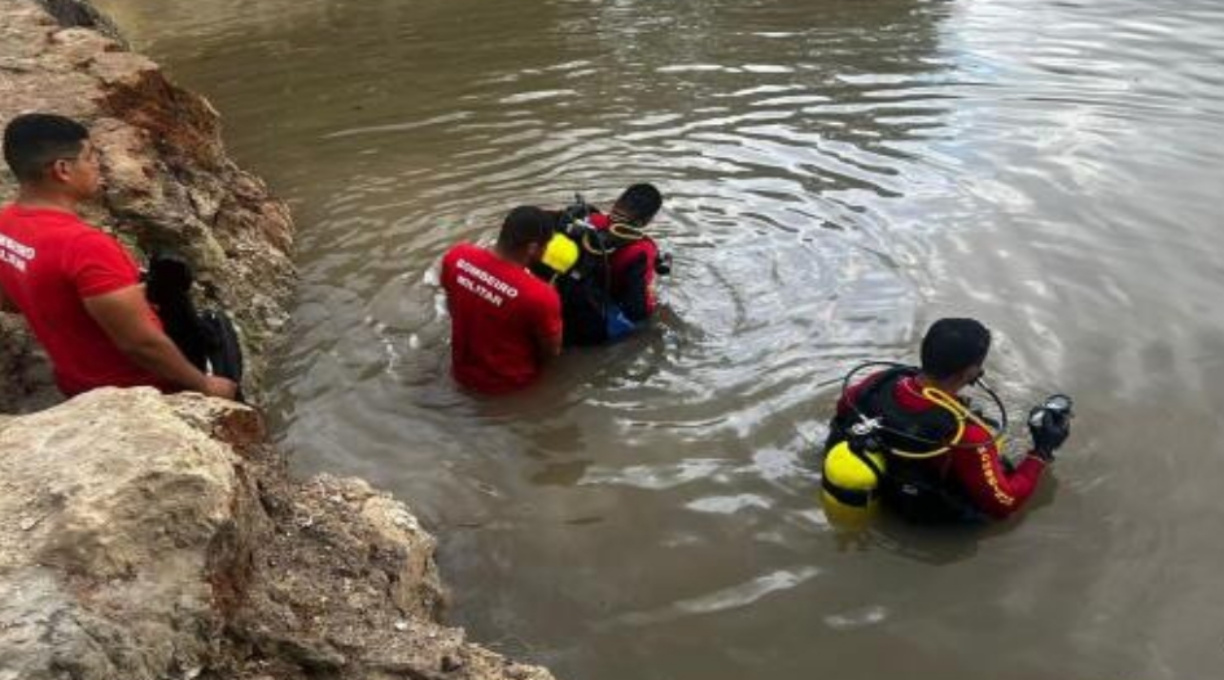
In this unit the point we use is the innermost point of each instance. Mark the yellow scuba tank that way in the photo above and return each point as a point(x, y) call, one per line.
point(561, 253)
point(849, 485)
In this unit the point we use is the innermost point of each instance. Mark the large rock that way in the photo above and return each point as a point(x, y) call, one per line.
point(149, 537)
point(169, 183)
point(117, 520)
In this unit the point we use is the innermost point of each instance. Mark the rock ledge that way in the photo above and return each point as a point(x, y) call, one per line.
point(146, 536)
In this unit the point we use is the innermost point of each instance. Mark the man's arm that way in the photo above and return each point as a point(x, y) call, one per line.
point(548, 327)
point(548, 347)
point(636, 295)
point(992, 489)
point(124, 316)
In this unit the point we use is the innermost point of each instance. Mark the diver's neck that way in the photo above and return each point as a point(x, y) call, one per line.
point(949, 386)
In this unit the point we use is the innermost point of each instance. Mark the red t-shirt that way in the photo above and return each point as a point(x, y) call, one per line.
point(501, 315)
point(975, 463)
point(633, 272)
point(49, 262)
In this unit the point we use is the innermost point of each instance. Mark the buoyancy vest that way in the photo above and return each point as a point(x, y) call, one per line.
point(589, 314)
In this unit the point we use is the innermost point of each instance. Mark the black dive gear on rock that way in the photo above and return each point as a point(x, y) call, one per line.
point(208, 340)
point(168, 287)
point(1050, 425)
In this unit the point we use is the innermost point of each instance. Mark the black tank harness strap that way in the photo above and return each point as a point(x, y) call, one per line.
point(851, 497)
point(899, 434)
point(603, 242)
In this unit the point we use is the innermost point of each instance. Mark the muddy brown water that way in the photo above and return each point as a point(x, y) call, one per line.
point(838, 174)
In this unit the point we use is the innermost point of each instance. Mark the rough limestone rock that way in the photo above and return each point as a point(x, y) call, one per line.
point(148, 537)
point(115, 518)
point(169, 184)
point(80, 13)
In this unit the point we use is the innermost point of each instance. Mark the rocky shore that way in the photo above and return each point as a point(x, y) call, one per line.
point(145, 536)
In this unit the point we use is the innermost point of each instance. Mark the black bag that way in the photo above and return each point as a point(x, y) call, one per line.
point(208, 340)
point(168, 288)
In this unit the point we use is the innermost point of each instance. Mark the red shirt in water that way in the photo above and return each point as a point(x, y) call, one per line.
point(501, 317)
point(633, 272)
point(49, 262)
point(975, 465)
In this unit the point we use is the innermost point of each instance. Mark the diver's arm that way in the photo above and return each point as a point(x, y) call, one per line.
point(636, 294)
point(991, 488)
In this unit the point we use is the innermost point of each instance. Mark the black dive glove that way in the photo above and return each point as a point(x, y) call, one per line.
point(663, 264)
point(1050, 425)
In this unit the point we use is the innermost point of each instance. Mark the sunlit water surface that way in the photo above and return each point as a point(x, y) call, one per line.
point(838, 174)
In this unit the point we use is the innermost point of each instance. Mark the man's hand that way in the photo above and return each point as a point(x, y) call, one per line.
point(216, 386)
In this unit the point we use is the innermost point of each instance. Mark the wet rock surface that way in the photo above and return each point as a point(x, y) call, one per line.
point(169, 184)
point(146, 536)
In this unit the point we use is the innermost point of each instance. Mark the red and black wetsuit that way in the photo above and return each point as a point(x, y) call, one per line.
point(971, 472)
point(633, 272)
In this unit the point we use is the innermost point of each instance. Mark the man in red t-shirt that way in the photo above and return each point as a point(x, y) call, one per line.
point(77, 287)
point(919, 410)
point(505, 323)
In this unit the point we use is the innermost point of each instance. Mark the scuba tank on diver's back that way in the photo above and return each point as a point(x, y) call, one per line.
point(560, 254)
point(563, 250)
point(851, 475)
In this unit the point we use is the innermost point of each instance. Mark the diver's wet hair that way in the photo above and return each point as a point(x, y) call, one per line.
point(35, 140)
point(639, 203)
point(952, 345)
point(524, 226)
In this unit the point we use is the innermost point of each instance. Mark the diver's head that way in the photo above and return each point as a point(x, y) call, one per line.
point(52, 157)
point(524, 234)
point(953, 351)
point(638, 204)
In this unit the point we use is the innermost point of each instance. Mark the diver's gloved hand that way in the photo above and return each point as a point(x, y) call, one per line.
point(663, 265)
point(1049, 430)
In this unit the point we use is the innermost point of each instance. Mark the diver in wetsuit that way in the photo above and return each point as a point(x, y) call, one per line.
point(604, 266)
point(935, 459)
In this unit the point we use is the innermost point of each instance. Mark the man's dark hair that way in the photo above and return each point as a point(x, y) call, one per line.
point(34, 140)
point(524, 226)
point(639, 203)
point(952, 345)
